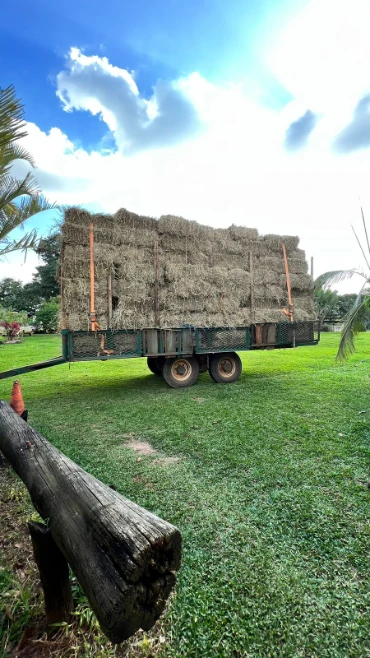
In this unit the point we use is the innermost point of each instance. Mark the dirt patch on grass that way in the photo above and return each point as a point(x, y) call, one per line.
point(142, 447)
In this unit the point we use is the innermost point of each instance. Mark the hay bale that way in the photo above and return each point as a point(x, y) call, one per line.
point(239, 279)
point(269, 315)
point(124, 218)
point(270, 264)
point(242, 233)
point(297, 281)
point(275, 242)
point(186, 245)
point(177, 226)
point(203, 273)
point(265, 276)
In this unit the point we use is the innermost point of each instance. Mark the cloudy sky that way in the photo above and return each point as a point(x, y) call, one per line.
point(254, 112)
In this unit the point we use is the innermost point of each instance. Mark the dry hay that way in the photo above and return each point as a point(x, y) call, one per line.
point(242, 233)
point(275, 242)
point(203, 274)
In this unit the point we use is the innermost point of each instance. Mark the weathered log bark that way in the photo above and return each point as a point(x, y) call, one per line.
point(123, 556)
point(54, 574)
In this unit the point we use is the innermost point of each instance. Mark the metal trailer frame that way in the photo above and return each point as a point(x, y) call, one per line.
point(187, 341)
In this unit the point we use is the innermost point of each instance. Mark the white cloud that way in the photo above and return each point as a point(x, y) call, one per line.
point(236, 170)
point(219, 179)
point(17, 267)
point(323, 56)
point(91, 83)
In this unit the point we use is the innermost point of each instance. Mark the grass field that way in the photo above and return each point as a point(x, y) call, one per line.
point(269, 490)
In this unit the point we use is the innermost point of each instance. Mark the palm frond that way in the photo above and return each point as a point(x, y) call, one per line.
point(10, 154)
point(8, 221)
point(16, 214)
point(33, 205)
point(12, 123)
point(361, 247)
point(336, 276)
point(17, 188)
point(28, 241)
point(19, 199)
point(352, 324)
point(365, 229)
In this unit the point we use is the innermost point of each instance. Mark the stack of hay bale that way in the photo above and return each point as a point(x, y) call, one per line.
point(195, 275)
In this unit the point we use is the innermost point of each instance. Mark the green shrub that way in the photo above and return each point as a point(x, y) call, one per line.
point(47, 317)
point(9, 316)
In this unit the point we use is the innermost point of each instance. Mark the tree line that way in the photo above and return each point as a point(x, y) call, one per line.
point(331, 307)
point(38, 301)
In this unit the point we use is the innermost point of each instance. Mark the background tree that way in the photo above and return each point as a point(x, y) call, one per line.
point(326, 305)
point(10, 293)
point(19, 199)
point(44, 284)
point(46, 275)
point(47, 316)
point(345, 303)
point(358, 314)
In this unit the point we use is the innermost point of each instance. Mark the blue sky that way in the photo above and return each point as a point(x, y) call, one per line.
point(254, 112)
point(223, 41)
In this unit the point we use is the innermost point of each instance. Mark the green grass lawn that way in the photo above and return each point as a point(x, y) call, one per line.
point(270, 489)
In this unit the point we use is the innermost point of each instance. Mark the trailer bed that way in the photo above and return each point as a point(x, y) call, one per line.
point(129, 343)
point(179, 354)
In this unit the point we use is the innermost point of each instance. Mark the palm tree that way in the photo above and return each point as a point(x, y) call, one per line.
point(19, 199)
point(359, 313)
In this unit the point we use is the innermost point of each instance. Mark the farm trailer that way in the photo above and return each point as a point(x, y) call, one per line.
point(178, 355)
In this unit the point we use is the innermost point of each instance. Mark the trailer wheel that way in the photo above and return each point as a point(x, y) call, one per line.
point(180, 372)
point(225, 368)
point(155, 365)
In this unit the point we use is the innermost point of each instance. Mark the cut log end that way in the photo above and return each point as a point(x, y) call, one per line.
point(140, 608)
point(141, 601)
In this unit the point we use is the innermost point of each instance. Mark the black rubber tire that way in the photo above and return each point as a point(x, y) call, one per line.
point(155, 365)
point(176, 379)
point(218, 370)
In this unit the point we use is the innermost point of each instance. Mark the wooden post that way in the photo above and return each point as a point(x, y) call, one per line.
point(259, 333)
point(54, 574)
point(110, 308)
point(124, 557)
point(156, 285)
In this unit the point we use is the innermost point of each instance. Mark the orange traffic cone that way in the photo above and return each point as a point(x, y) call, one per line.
point(16, 400)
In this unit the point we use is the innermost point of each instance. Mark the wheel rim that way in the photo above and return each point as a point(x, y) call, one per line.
point(181, 370)
point(227, 367)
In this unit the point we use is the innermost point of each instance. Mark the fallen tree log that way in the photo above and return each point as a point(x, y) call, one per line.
point(123, 556)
